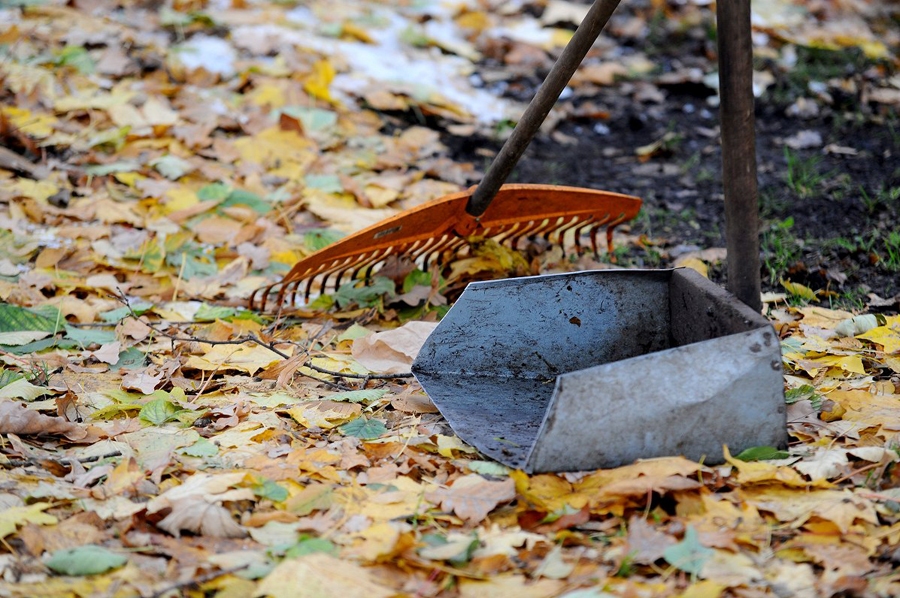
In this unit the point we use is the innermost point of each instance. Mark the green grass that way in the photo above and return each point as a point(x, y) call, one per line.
point(781, 249)
point(803, 176)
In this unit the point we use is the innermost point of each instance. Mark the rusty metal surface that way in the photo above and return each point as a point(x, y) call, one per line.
point(597, 369)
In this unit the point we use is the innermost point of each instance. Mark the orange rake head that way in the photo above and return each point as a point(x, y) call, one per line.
point(438, 230)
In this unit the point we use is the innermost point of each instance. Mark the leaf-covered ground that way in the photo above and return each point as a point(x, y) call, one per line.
point(162, 161)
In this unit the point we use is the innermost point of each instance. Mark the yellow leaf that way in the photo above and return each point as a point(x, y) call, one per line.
point(246, 358)
point(846, 363)
point(129, 178)
point(448, 445)
point(505, 586)
point(273, 147)
point(798, 290)
point(886, 336)
point(821, 317)
point(324, 414)
point(36, 190)
point(841, 507)
point(379, 196)
point(757, 472)
point(268, 94)
point(477, 20)
point(703, 589)
point(377, 541)
point(548, 492)
point(352, 31)
point(16, 516)
point(694, 264)
point(317, 82)
point(180, 198)
point(37, 126)
point(318, 575)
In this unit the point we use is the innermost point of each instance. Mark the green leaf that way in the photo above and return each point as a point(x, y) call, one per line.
point(761, 453)
point(90, 336)
point(120, 313)
point(456, 552)
point(158, 411)
point(85, 560)
point(150, 256)
point(22, 389)
point(40, 346)
point(172, 167)
point(239, 197)
point(76, 57)
point(688, 555)
point(366, 295)
point(309, 545)
point(211, 313)
point(312, 119)
point(359, 396)
point(416, 278)
point(271, 490)
point(319, 238)
point(246, 314)
point(16, 319)
point(113, 138)
point(130, 359)
point(8, 377)
point(366, 429)
point(489, 468)
point(21, 337)
point(202, 448)
point(191, 261)
point(793, 395)
point(329, 183)
point(213, 191)
point(322, 303)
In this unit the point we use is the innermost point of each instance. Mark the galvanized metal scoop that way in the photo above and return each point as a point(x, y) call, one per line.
point(596, 369)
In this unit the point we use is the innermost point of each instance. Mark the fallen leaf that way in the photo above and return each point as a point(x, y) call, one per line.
point(472, 497)
point(15, 418)
point(393, 351)
point(319, 575)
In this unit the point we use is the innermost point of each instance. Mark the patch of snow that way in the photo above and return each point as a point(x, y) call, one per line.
point(214, 54)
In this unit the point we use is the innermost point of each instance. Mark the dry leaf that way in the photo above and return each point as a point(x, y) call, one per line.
point(472, 497)
point(392, 351)
point(15, 418)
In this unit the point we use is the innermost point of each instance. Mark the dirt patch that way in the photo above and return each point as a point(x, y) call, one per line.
point(828, 168)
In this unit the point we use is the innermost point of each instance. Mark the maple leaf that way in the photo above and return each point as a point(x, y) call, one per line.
point(15, 418)
point(195, 505)
point(472, 497)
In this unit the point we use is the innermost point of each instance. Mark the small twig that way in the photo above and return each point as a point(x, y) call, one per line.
point(316, 368)
point(38, 461)
point(857, 472)
point(196, 581)
point(251, 338)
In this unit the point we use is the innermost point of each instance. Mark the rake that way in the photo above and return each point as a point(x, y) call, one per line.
point(440, 231)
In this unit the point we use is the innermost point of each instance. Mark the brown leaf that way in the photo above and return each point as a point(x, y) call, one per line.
point(645, 543)
point(472, 497)
point(15, 418)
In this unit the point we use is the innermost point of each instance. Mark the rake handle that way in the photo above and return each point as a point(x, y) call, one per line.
point(540, 105)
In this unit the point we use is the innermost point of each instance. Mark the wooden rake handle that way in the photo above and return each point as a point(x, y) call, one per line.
point(540, 105)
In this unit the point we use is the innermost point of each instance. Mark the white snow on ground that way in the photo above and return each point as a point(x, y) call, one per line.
point(426, 72)
point(211, 53)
